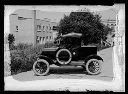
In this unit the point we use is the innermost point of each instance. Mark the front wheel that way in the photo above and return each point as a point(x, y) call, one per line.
point(41, 67)
point(93, 66)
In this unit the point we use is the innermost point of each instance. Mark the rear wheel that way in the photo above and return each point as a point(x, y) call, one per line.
point(41, 67)
point(93, 66)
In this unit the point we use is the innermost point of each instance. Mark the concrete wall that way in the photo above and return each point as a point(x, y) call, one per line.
point(23, 29)
point(26, 31)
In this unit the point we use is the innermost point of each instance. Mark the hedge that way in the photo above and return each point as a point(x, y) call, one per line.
point(23, 57)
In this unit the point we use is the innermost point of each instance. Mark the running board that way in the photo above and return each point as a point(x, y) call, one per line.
point(77, 63)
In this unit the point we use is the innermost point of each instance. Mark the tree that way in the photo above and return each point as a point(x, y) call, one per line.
point(11, 40)
point(87, 23)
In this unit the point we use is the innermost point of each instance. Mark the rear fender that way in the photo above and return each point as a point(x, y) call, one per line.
point(93, 57)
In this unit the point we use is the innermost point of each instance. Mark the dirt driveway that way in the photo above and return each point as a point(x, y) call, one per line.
point(71, 72)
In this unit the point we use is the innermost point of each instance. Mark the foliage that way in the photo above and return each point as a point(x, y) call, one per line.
point(87, 23)
point(24, 55)
point(11, 40)
point(22, 46)
point(22, 60)
point(48, 45)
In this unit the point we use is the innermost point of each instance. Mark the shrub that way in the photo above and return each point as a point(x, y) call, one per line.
point(49, 45)
point(22, 60)
point(12, 47)
point(20, 46)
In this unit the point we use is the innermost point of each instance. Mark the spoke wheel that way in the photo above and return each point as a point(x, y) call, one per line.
point(93, 66)
point(63, 56)
point(41, 67)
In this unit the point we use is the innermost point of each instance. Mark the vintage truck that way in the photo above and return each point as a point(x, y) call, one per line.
point(71, 52)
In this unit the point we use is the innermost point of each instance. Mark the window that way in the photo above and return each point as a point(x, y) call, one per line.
point(50, 37)
point(40, 40)
point(38, 27)
point(43, 38)
point(37, 39)
point(16, 28)
point(112, 27)
point(43, 27)
point(54, 27)
point(47, 38)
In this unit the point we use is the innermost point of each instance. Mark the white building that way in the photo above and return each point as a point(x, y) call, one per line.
point(27, 28)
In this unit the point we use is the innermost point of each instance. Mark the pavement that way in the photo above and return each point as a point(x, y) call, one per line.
point(71, 72)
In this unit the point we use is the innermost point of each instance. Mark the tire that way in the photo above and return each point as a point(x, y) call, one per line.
point(41, 71)
point(92, 69)
point(63, 62)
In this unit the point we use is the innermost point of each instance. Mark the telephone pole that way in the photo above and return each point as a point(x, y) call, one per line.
point(34, 12)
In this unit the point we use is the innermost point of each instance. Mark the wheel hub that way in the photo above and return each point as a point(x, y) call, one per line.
point(94, 66)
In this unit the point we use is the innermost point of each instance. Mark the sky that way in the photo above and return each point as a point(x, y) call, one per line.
point(55, 13)
point(108, 14)
point(53, 16)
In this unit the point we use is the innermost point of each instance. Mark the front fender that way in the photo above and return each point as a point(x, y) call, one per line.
point(93, 56)
point(46, 58)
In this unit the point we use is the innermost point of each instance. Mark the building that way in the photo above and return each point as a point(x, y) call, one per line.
point(45, 30)
point(110, 23)
point(108, 17)
point(27, 28)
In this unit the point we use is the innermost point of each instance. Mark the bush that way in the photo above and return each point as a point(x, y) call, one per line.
point(24, 55)
point(49, 45)
point(11, 47)
point(22, 46)
point(22, 58)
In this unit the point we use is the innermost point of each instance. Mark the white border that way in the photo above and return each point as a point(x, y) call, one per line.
point(63, 84)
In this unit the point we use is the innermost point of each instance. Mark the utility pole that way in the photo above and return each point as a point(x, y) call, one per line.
point(34, 14)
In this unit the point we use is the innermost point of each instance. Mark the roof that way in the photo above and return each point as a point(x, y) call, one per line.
point(72, 35)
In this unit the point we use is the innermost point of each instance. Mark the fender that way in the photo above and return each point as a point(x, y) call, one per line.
point(47, 58)
point(93, 56)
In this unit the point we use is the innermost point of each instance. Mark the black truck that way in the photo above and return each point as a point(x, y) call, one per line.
point(70, 52)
